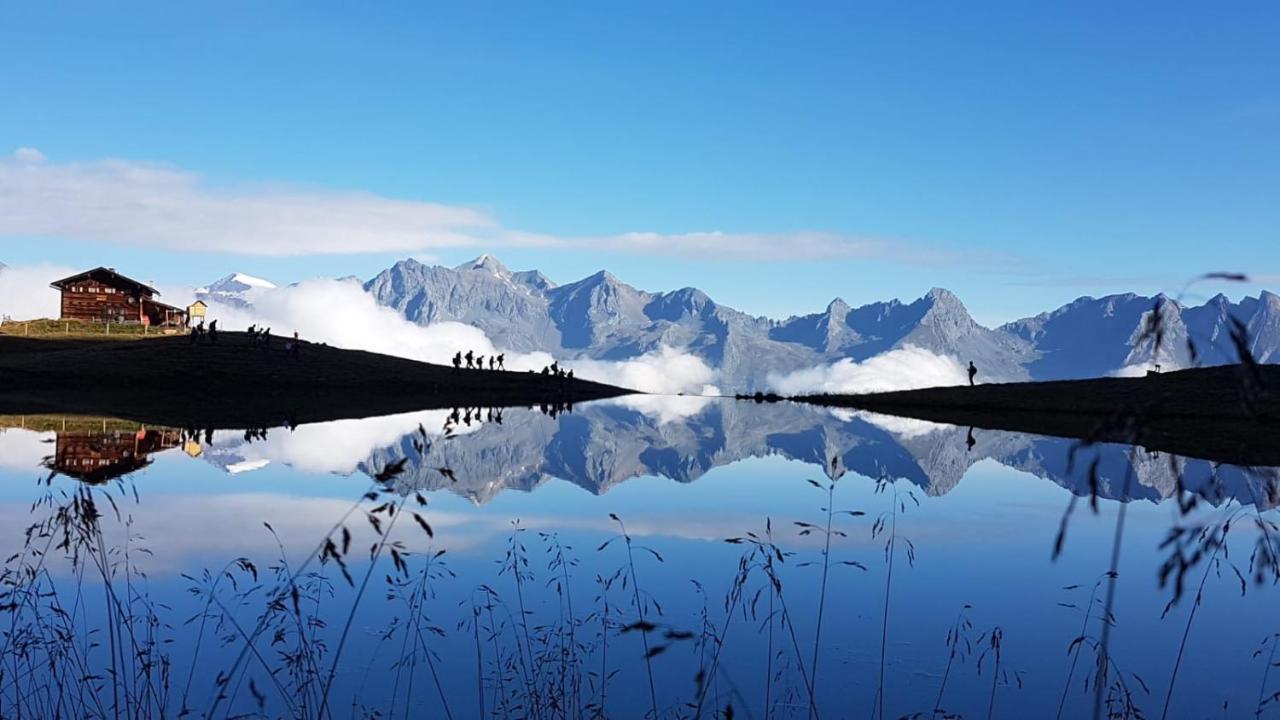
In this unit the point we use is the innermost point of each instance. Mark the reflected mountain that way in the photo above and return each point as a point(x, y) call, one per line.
point(479, 453)
point(601, 444)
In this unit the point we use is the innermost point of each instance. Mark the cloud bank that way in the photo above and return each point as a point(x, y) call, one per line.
point(905, 368)
point(25, 293)
point(162, 206)
point(342, 314)
point(337, 446)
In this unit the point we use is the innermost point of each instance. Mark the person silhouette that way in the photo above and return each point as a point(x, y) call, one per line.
point(969, 440)
point(470, 358)
point(502, 361)
point(973, 370)
point(457, 361)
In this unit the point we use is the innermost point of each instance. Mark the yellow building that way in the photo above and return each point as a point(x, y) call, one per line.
point(196, 312)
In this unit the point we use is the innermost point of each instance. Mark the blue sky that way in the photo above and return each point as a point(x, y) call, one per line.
point(1017, 154)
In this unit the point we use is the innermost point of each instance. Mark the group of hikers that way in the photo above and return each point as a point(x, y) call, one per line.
point(554, 370)
point(470, 360)
point(258, 337)
point(199, 333)
point(261, 337)
point(474, 361)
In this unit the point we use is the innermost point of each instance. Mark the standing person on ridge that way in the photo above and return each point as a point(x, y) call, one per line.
point(973, 370)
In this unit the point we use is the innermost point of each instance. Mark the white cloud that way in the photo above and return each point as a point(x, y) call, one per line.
point(905, 368)
point(664, 371)
point(160, 206)
point(156, 206)
point(665, 409)
point(902, 427)
point(342, 314)
point(776, 247)
point(336, 447)
point(25, 293)
point(24, 450)
point(28, 155)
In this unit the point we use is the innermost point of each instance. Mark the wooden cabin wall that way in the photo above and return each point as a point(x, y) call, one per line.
point(89, 299)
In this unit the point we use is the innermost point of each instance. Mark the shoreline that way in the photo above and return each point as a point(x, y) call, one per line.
point(169, 381)
point(1216, 413)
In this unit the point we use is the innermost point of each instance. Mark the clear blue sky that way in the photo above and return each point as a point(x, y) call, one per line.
point(1018, 154)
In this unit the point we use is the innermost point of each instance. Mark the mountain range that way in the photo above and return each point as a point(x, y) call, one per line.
point(603, 318)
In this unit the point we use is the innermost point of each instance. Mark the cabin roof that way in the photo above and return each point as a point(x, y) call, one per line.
point(199, 303)
point(164, 306)
point(109, 276)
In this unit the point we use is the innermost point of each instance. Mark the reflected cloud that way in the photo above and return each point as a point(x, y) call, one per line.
point(24, 450)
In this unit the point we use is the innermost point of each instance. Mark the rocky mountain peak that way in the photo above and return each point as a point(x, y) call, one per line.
point(486, 263)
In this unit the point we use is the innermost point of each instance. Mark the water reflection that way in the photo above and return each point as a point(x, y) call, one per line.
point(599, 445)
point(875, 565)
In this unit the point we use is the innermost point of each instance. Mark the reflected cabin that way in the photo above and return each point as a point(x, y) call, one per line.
point(104, 295)
point(98, 456)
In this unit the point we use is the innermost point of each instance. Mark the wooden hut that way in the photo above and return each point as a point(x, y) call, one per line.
point(196, 312)
point(104, 295)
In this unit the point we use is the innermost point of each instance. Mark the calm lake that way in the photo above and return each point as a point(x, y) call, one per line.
point(620, 558)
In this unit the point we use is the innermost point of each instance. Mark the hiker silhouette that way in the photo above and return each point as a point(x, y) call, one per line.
point(969, 440)
point(973, 370)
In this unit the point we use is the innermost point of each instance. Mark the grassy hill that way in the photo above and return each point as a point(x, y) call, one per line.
point(1219, 413)
point(167, 380)
point(46, 328)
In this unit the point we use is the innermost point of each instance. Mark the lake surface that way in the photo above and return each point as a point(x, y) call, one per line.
point(626, 557)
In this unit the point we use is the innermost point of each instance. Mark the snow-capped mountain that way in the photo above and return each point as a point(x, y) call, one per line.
point(603, 318)
point(236, 289)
